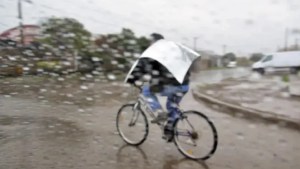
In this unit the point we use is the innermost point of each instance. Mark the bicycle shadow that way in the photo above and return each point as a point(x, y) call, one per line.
point(184, 163)
point(123, 155)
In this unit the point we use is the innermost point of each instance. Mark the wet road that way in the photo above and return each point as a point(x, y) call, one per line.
point(35, 134)
point(215, 76)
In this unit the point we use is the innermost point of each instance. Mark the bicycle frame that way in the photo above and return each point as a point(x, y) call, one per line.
point(142, 105)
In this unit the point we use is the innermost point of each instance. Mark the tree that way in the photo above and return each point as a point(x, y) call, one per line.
point(228, 57)
point(256, 57)
point(119, 50)
point(65, 34)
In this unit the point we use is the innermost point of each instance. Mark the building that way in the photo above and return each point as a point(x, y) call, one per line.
point(30, 33)
point(208, 60)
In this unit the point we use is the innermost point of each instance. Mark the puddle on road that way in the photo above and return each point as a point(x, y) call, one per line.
point(43, 127)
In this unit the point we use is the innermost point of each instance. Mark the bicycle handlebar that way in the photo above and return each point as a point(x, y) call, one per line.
point(139, 87)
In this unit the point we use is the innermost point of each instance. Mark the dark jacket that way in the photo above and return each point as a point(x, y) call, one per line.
point(160, 76)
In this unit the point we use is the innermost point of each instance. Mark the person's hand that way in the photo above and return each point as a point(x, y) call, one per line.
point(156, 88)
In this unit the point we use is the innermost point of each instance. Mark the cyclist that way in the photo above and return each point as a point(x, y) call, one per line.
point(162, 82)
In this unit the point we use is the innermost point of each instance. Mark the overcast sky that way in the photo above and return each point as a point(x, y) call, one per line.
point(244, 26)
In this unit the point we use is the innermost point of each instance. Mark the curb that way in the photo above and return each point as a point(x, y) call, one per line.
point(236, 110)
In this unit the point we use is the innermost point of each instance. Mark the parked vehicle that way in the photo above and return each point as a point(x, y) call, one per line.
point(280, 61)
point(231, 64)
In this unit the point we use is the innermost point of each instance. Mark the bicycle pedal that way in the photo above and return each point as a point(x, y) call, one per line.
point(154, 122)
point(167, 138)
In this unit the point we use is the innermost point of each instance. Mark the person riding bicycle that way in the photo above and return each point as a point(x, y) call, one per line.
point(160, 81)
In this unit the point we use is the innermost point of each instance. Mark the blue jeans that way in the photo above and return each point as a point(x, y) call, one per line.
point(174, 95)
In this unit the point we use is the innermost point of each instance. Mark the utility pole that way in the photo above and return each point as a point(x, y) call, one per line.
point(286, 36)
point(20, 16)
point(296, 43)
point(195, 43)
point(224, 49)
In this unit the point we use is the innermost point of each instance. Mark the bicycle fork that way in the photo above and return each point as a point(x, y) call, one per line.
point(135, 115)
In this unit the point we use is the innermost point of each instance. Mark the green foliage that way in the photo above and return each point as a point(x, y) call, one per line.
point(228, 57)
point(118, 51)
point(65, 34)
point(110, 52)
point(47, 64)
point(256, 57)
point(285, 78)
point(243, 61)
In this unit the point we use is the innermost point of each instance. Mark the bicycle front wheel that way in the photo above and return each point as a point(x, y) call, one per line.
point(195, 136)
point(132, 124)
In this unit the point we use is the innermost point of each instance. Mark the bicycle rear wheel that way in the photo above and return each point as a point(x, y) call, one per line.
point(132, 124)
point(195, 136)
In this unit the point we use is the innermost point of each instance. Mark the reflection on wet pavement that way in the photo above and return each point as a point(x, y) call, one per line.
point(35, 134)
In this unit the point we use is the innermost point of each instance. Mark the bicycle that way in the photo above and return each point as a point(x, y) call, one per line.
point(184, 131)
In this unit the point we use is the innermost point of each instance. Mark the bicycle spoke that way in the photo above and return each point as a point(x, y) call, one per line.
point(195, 135)
point(132, 125)
point(189, 142)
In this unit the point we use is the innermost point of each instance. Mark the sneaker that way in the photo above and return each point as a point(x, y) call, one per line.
point(161, 117)
point(168, 131)
point(168, 134)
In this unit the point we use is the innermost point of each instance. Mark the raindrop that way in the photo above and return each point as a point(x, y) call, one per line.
point(210, 92)
point(66, 63)
point(138, 83)
point(111, 77)
point(89, 98)
point(50, 126)
point(40, 70)
point(41, 97)
point(68, 102)
point(26, 68)
point(147, 77)
point(89, 76)
point(84, 87)
point(179, 94)
point(70, 95)
point(155, 72)
point(12, 58)
point(61, 132)
point(136, 55)
point(124, 94)
point(268, 99)
point(26, 122)
point(114, 62)
point(95, 72)
point(60, 79)
point(240, 136)
point(95, 59)
point(127, 54)
point(121, 66)
point(285, 94)
point(252, 126)
point(43, 90)
point(107, 92)
point(26, 86)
